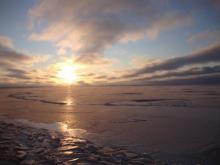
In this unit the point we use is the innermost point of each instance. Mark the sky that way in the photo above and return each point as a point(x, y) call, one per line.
point(125, 42)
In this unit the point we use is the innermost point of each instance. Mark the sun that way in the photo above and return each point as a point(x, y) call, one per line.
point(67, 74)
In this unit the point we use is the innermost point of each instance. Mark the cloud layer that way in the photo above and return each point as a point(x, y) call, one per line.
point(9, 57)
point(206, 55)
point(15, 65)
point(88, 28)
point(189, 69)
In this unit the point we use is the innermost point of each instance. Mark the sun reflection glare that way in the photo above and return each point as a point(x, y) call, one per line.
point(69, 101)
point(72, 132)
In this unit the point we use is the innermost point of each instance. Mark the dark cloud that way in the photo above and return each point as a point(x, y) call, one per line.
point(196, 80)
point(18, 76)
point(101, 77)
point(87, 74)
point(9, 54)
point(17, 73)
point(210, 54)
point(10, 61)
point(5, 64)
point(204, 79)
point(82, 83)
point(195, 71)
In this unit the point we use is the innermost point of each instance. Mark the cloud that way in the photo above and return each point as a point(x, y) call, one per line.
point(207, 35)
point(206, 55)
point(181, 78)
point(17, 73)
point(10, 59)
point(89, 27)
point(194, 71)
point(169, 21)
point(15, 65)
point(140, 61)
point(210, 79)
point(96, 59)
point(9, 54)
point(5, 64)
point(5, 41)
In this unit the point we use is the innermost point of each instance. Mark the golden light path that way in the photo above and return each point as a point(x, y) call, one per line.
point(67, 74)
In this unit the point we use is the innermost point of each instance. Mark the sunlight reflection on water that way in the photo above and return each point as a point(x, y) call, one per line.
point(72, 132)
point(58, 126)
point(69, 101)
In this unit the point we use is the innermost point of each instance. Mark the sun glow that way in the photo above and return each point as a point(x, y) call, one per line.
point(67, 74)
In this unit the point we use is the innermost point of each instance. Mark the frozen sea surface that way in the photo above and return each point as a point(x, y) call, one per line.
point(171, 122)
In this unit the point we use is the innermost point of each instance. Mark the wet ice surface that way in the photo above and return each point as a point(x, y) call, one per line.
point(182, 97)
point(135, 102)
point(29, 96)
point(151, 102)
point(26, 145)
point(58, 126)
point(170, 122)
